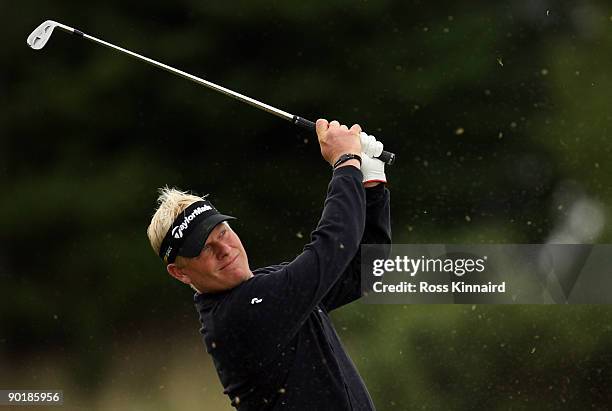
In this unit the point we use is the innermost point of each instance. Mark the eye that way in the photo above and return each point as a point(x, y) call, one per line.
point(222, 233)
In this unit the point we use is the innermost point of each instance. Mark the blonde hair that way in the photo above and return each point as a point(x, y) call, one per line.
point(171, 202)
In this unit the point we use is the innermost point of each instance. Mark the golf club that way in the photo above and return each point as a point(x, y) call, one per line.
point(40, 36)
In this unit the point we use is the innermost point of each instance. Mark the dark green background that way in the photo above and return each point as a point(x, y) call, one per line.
point(498, 113)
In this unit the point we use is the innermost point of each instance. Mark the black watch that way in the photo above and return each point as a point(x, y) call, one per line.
point(346, 157)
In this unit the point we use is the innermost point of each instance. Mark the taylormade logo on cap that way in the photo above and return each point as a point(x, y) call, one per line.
point(177, 232)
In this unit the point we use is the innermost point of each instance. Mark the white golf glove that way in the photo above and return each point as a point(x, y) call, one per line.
point(373, 169)
point(370, 145)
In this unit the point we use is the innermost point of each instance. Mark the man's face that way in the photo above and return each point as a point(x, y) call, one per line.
point(221, 265)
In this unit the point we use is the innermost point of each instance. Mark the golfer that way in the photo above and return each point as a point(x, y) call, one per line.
point(268, 330)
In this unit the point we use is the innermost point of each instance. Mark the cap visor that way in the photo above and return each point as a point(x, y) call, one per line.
point(197, 238)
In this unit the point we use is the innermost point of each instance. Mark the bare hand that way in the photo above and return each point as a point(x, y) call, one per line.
point(336, 139)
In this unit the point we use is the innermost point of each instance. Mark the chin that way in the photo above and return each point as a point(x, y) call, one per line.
point(242, 275)
point(237, 274)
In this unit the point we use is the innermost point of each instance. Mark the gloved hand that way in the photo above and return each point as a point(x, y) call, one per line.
point(370, 145)
point(373, 169)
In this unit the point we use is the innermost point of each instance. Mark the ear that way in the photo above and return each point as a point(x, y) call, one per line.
point(177, 273)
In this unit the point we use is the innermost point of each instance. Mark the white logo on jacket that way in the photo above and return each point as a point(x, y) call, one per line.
point(256, 300)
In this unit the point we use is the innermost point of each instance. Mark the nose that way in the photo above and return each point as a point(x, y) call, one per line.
point(224, 251)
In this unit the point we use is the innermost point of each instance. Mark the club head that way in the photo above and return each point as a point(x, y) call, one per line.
point(41, 34)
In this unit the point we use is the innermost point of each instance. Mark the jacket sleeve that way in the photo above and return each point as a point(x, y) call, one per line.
point(265, 312)
point(377, 231)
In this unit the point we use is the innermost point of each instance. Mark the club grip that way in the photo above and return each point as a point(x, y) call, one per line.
point(302, 122)
point(386, 157)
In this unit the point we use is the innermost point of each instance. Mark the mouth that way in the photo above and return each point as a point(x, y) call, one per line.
point(230, 263)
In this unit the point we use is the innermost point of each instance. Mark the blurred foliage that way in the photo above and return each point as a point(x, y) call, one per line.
point(497, 111)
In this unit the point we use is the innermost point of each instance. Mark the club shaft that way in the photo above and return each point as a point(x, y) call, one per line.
point(195, 79)
point(385, 156)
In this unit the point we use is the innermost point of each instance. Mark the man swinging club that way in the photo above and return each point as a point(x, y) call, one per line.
point(268, 330)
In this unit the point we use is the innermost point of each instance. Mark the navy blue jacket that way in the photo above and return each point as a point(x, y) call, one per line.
point(271, 339)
